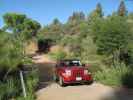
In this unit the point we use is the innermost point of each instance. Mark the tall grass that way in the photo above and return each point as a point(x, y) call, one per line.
point(121, 75)
point(31, 80)
point(9, 88)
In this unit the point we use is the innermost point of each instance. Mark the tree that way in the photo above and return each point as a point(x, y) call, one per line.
point(14, 21)
point(52, 31)
point(10, 52)
point(12, 47)
point(30, 28)
point(97, 13)
point(56, 22)
point(55, 26)
point(112, 36)
point(95, 16)
point(122, 9)
point(76, 17)
point(73, 24)
point(21, 27)
point(19, 24)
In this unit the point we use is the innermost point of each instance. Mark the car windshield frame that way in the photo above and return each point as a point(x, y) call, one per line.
point(71, 63)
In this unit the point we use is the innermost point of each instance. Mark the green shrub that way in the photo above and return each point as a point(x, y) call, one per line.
point(95, 67)
point(116, 76)
point(32, 80)
point(9, 88)
point(58, 55)
point(127, 79)
point(30, 96)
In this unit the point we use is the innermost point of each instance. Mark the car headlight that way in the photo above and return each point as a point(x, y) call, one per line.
point(86, 72)
point(68, 72)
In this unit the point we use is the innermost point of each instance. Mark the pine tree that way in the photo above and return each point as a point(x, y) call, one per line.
point(122, 9)
point(76, 18)
point(97, 13)
point(99, 10)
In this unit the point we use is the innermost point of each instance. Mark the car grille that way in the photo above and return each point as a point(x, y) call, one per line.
point(77, 73)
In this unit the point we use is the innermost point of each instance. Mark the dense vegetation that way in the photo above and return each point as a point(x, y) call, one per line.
point(104, 42)
point(13, 57)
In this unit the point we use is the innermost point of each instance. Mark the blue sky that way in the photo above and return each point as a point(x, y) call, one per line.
point(44, 11)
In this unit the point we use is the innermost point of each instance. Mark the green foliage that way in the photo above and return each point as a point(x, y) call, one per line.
point(58, 55)
point(76, 18)
point(10, 51)
point(88, 49)
point(20, 25)
point(9, 88)
point(30, 28)
point(32, 80)
point(72, 42)
point(112, 36)
point(116, 76)
point(52, 32)
point(96, 14)
point(13, 54)
point(13, 21)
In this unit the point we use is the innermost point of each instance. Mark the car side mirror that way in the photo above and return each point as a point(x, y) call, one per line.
point(83, 65)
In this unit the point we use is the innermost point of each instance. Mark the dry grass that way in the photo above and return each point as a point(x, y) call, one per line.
point(31, 48)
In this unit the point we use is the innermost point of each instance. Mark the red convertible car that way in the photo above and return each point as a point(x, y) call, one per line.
point(71, 71)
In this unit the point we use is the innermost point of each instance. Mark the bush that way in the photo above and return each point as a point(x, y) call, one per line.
point(32, 80)
point(9, 88)
point(116, 76)
point(127, 79)
point(58, 55)
point(95, 67)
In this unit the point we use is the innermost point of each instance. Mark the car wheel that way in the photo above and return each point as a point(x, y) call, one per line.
point(55, 78)
point(90, 82)
point(61, 83)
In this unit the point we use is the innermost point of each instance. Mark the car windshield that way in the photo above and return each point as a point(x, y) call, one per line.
point(71, 63)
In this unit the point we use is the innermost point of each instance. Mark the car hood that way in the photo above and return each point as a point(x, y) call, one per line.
point(74, 68)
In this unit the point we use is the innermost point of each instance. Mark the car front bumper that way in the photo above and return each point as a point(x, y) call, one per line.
point(85, 79)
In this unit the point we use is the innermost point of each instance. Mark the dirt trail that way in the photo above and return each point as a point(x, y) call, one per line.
point(95, 91)
point(43, 58)
point(52, 91)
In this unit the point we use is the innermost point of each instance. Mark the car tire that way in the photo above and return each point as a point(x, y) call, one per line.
point(90, 82)
point(55, 78)
point(61, 83)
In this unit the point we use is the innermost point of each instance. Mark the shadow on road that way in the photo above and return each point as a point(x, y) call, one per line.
point(120, 94)
point(126, 91)
point(45, 74)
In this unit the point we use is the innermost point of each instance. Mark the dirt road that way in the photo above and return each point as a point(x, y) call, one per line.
point(82, 92)
point(52, 91)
